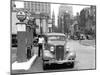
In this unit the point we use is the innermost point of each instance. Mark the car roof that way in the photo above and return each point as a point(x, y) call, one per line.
point(60, 34)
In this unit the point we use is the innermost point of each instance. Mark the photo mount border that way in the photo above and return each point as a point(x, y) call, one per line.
point(51, 3)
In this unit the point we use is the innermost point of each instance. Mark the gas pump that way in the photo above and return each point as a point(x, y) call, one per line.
point(25, 38)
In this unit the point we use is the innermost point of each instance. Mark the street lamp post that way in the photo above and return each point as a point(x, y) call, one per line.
point(40, 23)
point(62, 24)
point(40, 26)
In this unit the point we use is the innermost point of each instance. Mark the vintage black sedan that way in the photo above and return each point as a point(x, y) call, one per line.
point(56, 51)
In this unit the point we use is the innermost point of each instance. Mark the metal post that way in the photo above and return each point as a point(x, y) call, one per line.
point(40, 25)
point(62, 25)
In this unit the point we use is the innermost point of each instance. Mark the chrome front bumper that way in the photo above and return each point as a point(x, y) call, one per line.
point(59, 62)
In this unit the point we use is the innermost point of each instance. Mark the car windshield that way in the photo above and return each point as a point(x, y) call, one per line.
point(56, 38)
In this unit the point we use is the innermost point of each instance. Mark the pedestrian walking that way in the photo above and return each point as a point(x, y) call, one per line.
point(40, 44)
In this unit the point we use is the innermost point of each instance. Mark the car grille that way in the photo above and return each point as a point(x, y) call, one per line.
point(59, 52)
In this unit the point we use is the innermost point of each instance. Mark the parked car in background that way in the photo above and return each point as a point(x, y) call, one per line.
point(56, 51)
point(82, 37)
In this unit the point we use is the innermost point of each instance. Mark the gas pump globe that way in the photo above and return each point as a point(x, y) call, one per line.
point(21, 26)
point(21, 16)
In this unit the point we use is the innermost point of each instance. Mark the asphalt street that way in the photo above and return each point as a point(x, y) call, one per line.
point(85, 59)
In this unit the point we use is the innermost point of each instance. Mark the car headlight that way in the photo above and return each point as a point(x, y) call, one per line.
point(52, 48)
point(67, 49)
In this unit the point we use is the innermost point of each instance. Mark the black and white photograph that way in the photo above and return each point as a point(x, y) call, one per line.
point(52, 37)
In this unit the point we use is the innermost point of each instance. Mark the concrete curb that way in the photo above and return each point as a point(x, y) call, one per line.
point(24, 65)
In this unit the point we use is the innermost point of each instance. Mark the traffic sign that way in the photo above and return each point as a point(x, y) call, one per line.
point(49, 25)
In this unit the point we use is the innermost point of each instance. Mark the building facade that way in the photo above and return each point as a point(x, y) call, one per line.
point(88, 18)
point(64, 18)
point(53, 21)
point(37, 7)
point(41, 12)
point(65, 9)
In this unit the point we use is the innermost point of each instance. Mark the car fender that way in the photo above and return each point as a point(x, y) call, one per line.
point(47, 55)
point(71, 55)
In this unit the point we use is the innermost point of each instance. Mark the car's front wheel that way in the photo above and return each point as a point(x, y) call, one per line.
point(69, 64)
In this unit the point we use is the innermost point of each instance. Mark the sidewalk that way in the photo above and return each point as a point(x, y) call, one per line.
point(23, 65)
point(88, 42)
point(14, 53)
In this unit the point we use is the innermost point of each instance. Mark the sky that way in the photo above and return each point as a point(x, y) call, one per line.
point(55, 8)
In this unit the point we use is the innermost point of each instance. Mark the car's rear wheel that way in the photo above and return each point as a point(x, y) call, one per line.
point(45, 65)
